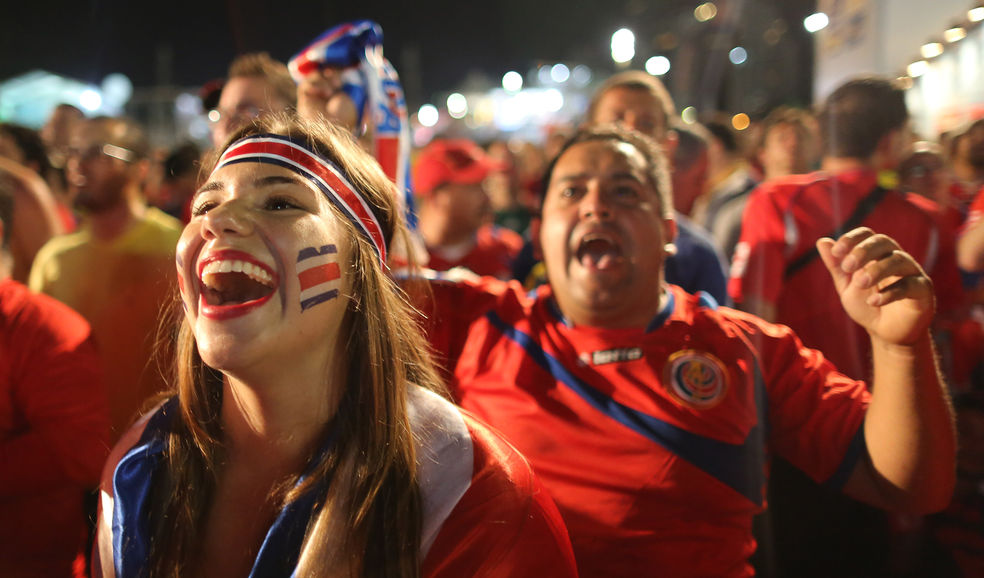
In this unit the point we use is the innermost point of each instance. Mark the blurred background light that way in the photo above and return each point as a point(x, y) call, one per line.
point(738, 55)
point(658, 65)
point(428, 115)
point(512, 81)
point(457, 105)
point(623, 45)
point(816, 22)
point(559, 73)
point(90, 99)
point(706, 11)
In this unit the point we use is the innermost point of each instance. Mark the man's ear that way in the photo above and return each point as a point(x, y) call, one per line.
point(669, 144)
point(669, 233)
point(888, 152)
point(535, 237)
point(141, 169)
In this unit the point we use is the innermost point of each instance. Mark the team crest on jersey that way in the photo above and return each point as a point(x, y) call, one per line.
point(607, 356)
point(697, 379)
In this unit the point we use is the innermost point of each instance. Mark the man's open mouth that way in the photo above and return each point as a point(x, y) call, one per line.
point(598, 251)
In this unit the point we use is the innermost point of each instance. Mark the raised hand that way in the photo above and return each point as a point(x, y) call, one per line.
point(881, 286)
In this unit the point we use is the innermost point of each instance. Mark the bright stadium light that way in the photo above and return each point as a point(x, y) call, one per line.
point(512, 81)
point(658, 65)
point(816, 22)
point(623, 45)
point(457, 105)
point(428, 115)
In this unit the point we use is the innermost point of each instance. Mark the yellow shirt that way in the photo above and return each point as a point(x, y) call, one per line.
point(121, 287)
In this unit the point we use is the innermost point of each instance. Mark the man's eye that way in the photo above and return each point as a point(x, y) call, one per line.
point(568, 192)
point(626, 192)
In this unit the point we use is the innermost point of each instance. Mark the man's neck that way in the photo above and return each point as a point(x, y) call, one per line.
point(111, 223)
point(438, 232)
point(624, 318)
point(843, 164)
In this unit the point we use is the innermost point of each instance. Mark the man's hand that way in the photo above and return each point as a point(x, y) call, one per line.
point(881, 286)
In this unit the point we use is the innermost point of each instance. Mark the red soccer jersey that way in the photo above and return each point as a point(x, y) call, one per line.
point(784, 219)
point(493, 254)
point(54, 431)
point(653, 443)
point(976, 212)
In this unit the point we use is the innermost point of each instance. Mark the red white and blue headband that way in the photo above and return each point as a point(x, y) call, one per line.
point(329, 178)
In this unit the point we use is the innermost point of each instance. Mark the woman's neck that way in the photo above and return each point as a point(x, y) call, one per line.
point(278, 423)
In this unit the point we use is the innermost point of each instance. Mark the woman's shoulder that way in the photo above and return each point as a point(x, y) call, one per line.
point(484, 511)
point(127, 442)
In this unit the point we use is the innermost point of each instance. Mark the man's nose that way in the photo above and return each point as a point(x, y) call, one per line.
point(595, 205)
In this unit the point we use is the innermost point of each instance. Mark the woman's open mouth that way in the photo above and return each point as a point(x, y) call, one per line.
point(232, 283)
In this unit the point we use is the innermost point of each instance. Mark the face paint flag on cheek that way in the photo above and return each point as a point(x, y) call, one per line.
point(317, 270)
point(356, 48)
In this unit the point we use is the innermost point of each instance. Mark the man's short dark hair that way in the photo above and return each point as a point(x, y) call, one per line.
point(657, 165)
point(785, 115)
point(858, 114)
point(30, 144)
point(691, 143)
point(720, 128)
point(182, 160)
point(260, 65)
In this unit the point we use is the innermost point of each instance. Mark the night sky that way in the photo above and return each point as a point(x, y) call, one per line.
point(435, 44)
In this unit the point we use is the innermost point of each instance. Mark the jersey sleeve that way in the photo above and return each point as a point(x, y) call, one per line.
point(816, 414)
point(505, 525)
point(452, 307)
point(757, 265)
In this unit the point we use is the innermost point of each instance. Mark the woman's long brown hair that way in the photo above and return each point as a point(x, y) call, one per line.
point(369, 524)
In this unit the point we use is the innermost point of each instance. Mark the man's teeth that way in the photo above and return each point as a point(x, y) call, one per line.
point(254, 272)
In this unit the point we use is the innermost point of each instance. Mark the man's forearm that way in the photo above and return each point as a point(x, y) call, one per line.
point(909, 429)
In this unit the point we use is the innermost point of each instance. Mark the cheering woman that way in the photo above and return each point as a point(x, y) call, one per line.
point(303, 436)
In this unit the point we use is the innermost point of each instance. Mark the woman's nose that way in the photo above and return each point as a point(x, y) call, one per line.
point(228, 218)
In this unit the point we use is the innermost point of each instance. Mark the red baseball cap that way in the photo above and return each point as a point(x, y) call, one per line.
point(459, 162)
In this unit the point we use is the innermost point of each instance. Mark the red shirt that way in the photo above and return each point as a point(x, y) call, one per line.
point(493, 254)
point(54, 431)
point(976, 212)
point(783, 220)
point(653, 443)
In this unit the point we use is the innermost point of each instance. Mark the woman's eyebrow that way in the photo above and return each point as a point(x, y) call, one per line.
point(210, 186)
point(273, 180)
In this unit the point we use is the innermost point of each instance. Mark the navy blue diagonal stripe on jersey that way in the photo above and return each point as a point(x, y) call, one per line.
point(740, 467)
point(855, 450)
